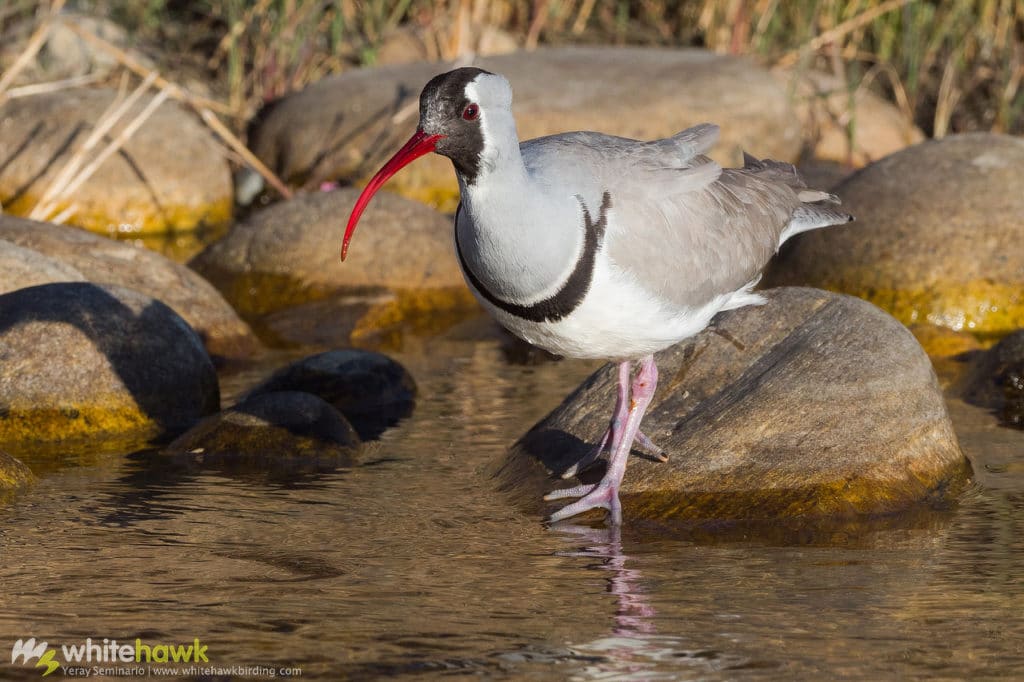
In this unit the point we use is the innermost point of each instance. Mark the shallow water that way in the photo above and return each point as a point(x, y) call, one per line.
point(411, 565)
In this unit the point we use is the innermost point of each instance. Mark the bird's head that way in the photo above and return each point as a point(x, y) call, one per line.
point(461, 113)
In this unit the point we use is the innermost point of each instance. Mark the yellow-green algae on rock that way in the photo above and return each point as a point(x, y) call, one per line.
point(171, 175)
point(127, 218)
point(937, 239)
point(99, 417)
point(82, 360)
point(13, 474)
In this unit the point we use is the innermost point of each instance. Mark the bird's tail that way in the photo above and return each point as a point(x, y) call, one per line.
point(818, 207)
point(812, 216)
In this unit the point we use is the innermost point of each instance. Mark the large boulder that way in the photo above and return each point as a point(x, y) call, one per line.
point(288, 254)
point(21, 267)
point(170, 175)
point(937, 239)
point(343, 127)
point(813, 405)
point(86, 360)
point(108, 261)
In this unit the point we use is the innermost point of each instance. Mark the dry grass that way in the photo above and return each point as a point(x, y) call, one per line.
point(950, 66)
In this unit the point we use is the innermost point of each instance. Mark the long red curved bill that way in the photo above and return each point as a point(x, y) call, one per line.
point(418, 145)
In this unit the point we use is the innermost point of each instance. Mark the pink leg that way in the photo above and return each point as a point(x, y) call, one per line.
point(615, 427)
point(606, 492)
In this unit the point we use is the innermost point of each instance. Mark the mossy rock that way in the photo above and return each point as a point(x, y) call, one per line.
point(279, 433)
point(289, 253)
point(170, 175)
point(81, 360)
point(937, 239)
point(14, 475)
point(813, 406)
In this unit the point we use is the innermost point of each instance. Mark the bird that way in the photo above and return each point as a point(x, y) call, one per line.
point(594, 246)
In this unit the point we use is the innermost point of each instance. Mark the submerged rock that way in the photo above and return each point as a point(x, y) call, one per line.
point(86, 360)
point(370, 389)
point(284, 432)
point(108, 261)
point(813, 405)
point(14, 475)
point(996, 380)
point(21, 267)
point(343, 127)
point(937, 239)
point(170, 175)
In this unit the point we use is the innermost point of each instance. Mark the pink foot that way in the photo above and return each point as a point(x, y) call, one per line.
point(605, 494)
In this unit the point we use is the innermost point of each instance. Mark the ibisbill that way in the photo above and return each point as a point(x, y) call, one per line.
point(595, 246)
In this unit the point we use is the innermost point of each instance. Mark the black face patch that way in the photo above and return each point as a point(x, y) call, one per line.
point(441, 104)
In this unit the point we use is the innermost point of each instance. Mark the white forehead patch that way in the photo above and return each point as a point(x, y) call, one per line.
point(490, 90)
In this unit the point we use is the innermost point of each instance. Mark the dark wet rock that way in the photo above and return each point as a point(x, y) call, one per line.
point(996, 380)
point(813, 405)
point(85, 360)
point(849, 126)
point(21, 267)
point(285, 432)
point(343, 127)
point(937, 239)
point(289, 254)
point(14, 475)
point(171, 174)
point(108, 261)
point(370, 389)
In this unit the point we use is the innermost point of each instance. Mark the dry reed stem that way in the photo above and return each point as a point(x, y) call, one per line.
point(586, 8)
point(58, 187)
point(842, 29)
point(126, 60)
point(66, 189)
point(119, 141)
point(53, 86)
point(35, 43)
point(947, 99)
point(236, 145)
point(203, 106)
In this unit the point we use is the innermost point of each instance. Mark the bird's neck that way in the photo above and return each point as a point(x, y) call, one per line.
point(517, 237)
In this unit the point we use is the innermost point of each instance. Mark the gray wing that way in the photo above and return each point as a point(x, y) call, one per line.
point(685, 228)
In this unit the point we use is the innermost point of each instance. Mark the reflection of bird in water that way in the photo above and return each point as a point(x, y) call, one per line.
point(633, 649)
point(633, 614)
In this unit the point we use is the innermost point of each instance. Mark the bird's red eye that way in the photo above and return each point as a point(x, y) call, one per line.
point(471, 112)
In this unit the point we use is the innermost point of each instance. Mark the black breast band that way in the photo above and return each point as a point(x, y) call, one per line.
point(576, 286)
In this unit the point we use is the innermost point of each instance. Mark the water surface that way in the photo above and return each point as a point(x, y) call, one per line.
point(411, 565)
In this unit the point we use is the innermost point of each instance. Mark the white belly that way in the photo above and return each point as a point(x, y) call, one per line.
point(617, 319)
